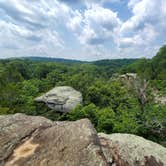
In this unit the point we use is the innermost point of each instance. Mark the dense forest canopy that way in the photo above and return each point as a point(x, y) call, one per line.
point(109, 103)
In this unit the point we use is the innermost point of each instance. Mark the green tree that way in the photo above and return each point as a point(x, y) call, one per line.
point(128, 121)
point(155, 121)
point(106, 120)
point(89, 111)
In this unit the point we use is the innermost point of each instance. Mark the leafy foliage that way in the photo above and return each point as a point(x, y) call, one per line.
point(154, 68)
point(109, 104)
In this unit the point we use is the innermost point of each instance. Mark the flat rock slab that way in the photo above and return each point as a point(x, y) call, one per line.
point(61, 98)
point(36, 141)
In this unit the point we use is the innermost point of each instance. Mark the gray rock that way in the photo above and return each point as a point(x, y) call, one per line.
point(128, 76)
point(159, 99)
point(62, 98)
point(36, 141)
point(132, 150)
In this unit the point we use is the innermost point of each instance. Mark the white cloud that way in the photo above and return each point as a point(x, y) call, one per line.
point(145, 12)
point(75, 22)
point(142, 37)
point(96, 25)
point(19, 41)
point(89, 3)
point(30, 27)
point(132, 3)
point(111, 1)
point(90, 29)
point(146, 26)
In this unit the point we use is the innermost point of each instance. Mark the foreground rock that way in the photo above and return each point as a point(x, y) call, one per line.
point(36, 141)
point(132, 150)
point(62, 98)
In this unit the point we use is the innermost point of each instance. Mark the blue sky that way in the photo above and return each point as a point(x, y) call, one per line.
point(82, 29)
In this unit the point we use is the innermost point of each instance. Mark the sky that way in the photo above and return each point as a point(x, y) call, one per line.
point(82, 29)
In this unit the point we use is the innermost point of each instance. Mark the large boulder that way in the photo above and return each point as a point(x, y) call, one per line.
point(61, 98)
point(132, 150)
point(36, 141)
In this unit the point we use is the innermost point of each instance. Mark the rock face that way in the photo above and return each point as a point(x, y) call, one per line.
point(36, 141)
point(136, 84)
point(128, 76)
point(160, 99)
point(132, 150)
point(62, 98)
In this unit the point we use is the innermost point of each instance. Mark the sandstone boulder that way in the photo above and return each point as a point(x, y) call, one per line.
point(132, 150)
point(36, 141)
point(61, 98)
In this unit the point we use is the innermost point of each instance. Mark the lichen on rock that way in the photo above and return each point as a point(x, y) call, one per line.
point(61, 98)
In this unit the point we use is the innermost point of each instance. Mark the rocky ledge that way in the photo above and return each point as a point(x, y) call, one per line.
point(37, 141)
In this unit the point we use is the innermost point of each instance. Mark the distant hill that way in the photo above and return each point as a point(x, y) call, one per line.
point(113, 65)
point(114, 62)
point(49, 59)
point(104, 62)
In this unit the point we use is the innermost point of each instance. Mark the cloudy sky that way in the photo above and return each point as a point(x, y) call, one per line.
point(82, 29)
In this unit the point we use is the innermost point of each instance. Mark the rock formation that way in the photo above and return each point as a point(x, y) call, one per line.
point(128, 76)
point(160, 99)
point(132, 150)
point(36, 141)
point(62, 98)
point(136, 84)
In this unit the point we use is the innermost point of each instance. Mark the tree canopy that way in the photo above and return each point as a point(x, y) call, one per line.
point(108, 103)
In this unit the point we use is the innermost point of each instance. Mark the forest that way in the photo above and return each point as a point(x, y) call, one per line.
point(110, 104)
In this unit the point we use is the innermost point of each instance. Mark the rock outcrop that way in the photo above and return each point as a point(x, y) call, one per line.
point(128, 76)
point(36, 141)
point(61, 98)
point(132, 150)
point(160, 99)
point(136, 84)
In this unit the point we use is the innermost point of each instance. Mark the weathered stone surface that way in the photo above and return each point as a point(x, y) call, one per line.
point(36, 141)
point(62, 98)
point(160, 99)
point(13, 129)
point(128, 76)
point(132, 150)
